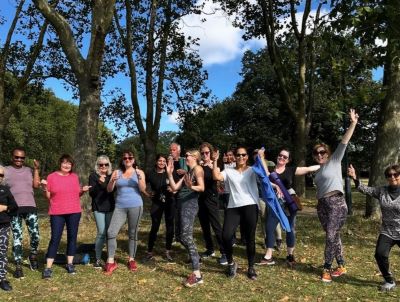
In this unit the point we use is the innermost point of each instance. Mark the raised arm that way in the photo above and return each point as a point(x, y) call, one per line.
point(305, 170)
point(371, 191)
point(175, 186)
point(353, 122)
point(217, 175)
point(36, 176)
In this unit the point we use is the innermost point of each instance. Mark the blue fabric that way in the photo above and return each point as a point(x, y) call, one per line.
point(269, 196)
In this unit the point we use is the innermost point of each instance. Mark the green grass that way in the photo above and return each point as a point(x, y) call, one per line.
point(160, 281)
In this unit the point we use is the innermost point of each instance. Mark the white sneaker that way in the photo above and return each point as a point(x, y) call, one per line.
point(386, 286)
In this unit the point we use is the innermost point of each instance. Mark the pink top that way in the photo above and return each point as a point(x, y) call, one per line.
point(64, 194)
point(20, 182)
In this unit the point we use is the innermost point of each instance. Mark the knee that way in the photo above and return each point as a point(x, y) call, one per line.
point(380, 255)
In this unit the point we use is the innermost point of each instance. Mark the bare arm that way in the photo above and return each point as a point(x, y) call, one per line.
point(175, 186)
point(113, 179)
point(36, 176)
point(305, 170)
point(353, 122)
point(217, 175)
point(199, 174)
point(142, 182)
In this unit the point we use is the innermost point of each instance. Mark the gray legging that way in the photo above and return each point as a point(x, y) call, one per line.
point(117, 221)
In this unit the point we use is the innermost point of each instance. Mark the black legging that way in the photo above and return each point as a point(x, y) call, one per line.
point(247, 216)
point(383, 247)
point(209, 214)
point(156, 212)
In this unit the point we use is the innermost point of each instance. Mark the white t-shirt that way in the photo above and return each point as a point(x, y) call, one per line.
point(242, 187)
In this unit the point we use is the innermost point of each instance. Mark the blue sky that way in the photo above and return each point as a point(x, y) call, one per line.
point(221, 48)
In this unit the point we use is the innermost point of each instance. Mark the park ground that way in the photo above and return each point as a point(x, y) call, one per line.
point(160, 281)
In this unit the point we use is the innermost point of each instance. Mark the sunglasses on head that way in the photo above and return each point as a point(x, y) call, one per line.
point(321, 152)
point(205, 152)
point(283, 156)
point(241, 154)
point(390, 175)
point(127, 157)
point(104, 165)
point(19, 157)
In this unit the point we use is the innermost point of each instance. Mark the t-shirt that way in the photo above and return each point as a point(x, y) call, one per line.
point(64, 193)
point(20, 182)
point(287, 176)
point(329, 176)
point(242, 187)
point(128, 195)
point(158, 184)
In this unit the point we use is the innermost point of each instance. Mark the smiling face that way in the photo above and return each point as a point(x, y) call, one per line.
point(161, 163)
point(103, 166)
point(205, 154)
point(393, 178)
point(18, 158)
point(320, 154)
point(241, 156)
point(230, 156)
point(128, 160)
point(283, 158)
point(66, 167)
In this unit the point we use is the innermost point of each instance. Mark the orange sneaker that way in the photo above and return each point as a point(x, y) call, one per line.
point(326, 276)
point(109, 268)
point(341, 270)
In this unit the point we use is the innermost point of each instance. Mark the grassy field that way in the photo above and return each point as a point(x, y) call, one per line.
point(160, 281)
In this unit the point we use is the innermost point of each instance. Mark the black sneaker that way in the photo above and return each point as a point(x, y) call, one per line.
point(231, 271)
point(223, 260)
point(251, 273)
point(33, 263)
point(290, 260)
point(18, 274)
point(5, 285)
point(148, 257)
point(207, 254)
point(278, 245)
point(47, 273)
point(169, 258)
point(98, 264)
point(265, 261)
point(70, 268)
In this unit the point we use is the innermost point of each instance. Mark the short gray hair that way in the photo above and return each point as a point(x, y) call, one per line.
point(177, 145)
point(3, 179)
point(96, 166)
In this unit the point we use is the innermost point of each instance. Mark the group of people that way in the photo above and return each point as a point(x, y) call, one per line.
point(182, 188)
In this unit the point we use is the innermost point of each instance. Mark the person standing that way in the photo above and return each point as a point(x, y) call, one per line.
point(22, 181)
point(8, 207)
point(103, 203)
point(331, 207)
point(389, 200)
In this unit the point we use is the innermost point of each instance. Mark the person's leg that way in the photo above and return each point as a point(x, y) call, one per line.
point(323, 216)
point(231, 222)
point(4, 238)
point(100, 219)
point(134, 216)
point(57, 223)
point(169, 215)
point(291, 236)
point(32, 224)
point(336, 222)
point(156, 213)
point(177, 220)
point(262, 213)
point(16, 227)
point(214, 218)
point(382, 251)
point(72, 222)
point(205, 226)
point(270, 227)
point(189, 211)
point(249, 218)
point(117, 221)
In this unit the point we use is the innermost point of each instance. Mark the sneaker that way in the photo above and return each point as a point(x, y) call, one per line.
point(223, 260)
point(33, 263)
point(326, 276)
point(132, 265)
point(5, 285)
point(231, 271)
point(98, 264)
point(18, 273)
point(341, 270)
point(70, 268)
point(168, 257)
point(47, 273)
point(148, 257)
point(265, 261)
point(207, 254)
point(110, 267)
point(251, 273)
point(387, 286)
point(290, 260)
point(192, 280)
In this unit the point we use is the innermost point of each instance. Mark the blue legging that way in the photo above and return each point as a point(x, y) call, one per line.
point(102, 223)
point(270, 226)
point(57, 223)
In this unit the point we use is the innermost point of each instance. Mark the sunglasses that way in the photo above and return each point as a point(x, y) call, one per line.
point(19, 157)
point(1, 175)
point(205, 152)
point(390, 175)
point(241, 154)
point(128, 158)
point(104, 165)
point(322, 152)
point(188, 154)
point(283, 156)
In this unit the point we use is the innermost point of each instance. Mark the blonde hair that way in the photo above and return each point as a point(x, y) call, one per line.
point(101, 158)
point(195, 153)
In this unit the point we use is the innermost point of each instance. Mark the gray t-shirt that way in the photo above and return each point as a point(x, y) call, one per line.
point(329, 177)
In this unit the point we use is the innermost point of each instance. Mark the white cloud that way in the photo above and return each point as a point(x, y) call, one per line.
point(173, 118)
point(220, 42)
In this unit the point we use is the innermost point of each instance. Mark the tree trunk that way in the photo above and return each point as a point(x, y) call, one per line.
point(387, 148)
point(150, 149)
point(300, 151)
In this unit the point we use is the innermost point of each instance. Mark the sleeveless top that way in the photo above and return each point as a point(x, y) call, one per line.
point(128, 194)
point(185, 194)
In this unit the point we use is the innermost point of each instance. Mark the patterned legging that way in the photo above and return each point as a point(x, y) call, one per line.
point(332, 213)
point(31, 221)
point(4, 236)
